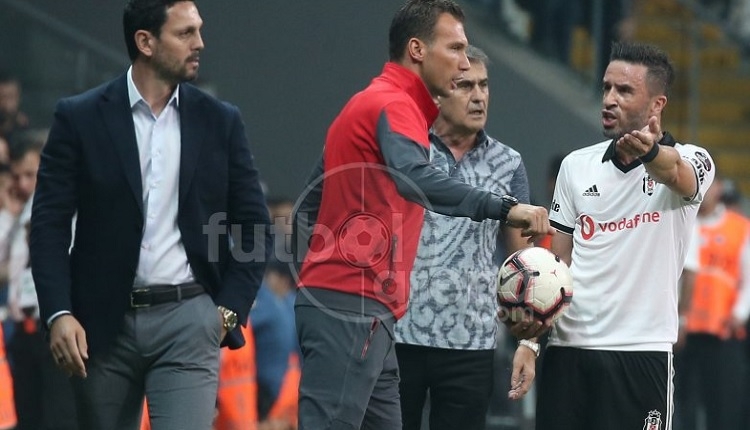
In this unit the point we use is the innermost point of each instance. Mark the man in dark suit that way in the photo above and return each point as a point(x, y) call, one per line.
point(156, 172)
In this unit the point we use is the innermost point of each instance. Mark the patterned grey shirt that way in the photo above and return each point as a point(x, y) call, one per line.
point(452, 301)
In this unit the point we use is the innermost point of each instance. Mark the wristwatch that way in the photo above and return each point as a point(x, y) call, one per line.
point(230, 318)
point(508, 202)
point(534, 346)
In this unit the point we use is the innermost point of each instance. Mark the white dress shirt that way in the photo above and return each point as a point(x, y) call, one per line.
point(162, 258)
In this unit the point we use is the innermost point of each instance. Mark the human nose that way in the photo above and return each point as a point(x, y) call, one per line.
point(464, 63)
point(609, 98)
point(199, 41)
point(478, 93)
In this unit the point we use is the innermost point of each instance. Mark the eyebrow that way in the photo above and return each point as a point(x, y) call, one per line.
point(473, 81)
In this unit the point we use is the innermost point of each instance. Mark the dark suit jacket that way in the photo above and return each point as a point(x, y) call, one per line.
point(90, 166)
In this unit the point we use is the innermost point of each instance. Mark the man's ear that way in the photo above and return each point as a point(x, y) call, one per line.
point(658, 104)
point(144, 42)
point(416, 49)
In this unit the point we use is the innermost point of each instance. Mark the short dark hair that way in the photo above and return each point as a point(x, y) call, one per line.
point(417, 18)
point(149, 15)
point(27, 141)
point(660, 70)
point(476, 55)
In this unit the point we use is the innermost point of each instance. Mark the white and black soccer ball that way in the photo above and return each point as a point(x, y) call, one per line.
point(534, 282)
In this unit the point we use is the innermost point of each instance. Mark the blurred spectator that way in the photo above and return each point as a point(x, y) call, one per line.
point(43, 394)
point(9, 209)
point(732, 196)
point(11, 117)
point(272, 319)
point(710, 370)
point(280, 210)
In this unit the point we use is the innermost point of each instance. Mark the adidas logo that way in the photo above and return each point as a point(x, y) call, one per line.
point(592, 191)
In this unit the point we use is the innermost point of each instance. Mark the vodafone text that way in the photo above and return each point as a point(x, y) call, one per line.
point(589, 227)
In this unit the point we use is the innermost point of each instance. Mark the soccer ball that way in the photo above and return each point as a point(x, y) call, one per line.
point(534, 282)
point(363, 241)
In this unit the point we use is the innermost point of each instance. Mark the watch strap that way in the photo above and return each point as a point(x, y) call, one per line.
point(534, 346)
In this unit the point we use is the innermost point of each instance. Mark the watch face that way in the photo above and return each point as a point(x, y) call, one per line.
point(230, 318)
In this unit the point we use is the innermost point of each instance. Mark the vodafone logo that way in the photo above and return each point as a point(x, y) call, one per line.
point(589, 227)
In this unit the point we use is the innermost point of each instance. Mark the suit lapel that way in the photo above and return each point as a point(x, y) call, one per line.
point(193, 126)
point(118, 118)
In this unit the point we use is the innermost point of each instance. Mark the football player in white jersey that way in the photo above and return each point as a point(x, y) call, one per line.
point(624, 210)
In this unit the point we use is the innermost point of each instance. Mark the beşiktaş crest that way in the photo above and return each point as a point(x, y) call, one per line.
point(653, 421)
point(649, 185)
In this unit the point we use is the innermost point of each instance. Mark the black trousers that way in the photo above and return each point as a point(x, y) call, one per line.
point(459, 383)
point(42, 392)
point(586, 389)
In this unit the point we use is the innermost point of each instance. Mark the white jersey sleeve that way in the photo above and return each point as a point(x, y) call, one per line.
point(562, 213)
point(703, 166)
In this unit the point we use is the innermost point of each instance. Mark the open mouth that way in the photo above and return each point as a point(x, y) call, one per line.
point(608, 118)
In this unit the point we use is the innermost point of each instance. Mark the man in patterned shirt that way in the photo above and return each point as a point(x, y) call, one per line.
point(446, 340)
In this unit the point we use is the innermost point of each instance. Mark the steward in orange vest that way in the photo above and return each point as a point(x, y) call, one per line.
point(719, 280)
point(284, 411)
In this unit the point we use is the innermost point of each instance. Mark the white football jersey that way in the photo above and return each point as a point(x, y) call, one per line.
point(630, 239)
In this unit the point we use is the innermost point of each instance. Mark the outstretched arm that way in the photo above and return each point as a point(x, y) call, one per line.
point(419, 181)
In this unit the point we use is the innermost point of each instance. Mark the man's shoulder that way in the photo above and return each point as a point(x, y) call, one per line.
point(494, 146)
point(92, 95)
point(190, 93)
point(383, 95)
point(590, 151)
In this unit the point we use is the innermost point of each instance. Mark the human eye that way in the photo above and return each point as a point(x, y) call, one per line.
point(465, 86)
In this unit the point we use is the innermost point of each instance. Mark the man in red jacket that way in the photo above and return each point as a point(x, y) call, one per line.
point(365, 204)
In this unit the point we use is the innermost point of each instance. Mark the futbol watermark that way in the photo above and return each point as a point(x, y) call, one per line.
point(379, 245)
